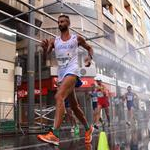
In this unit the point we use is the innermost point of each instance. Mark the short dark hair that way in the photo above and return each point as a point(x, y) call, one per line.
point(65, 16)
point(129, 86)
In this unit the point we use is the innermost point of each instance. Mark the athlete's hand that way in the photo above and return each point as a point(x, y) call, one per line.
point(87, 61)
point(44, 45)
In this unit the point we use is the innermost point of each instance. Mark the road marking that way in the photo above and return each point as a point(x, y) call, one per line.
point(25, 147)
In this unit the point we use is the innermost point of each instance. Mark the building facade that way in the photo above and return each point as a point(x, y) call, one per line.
point(122, 21)
point(115, 57)
point(7, 67)
point(113, 28)
point(10, 43)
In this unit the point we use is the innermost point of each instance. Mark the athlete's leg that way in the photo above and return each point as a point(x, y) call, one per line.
point(76, 108)
point(71, 117)
point(107, 115)
point(64, 90)
point(130, 114)
point(95, 118)
point(99, 117)
point(80, 115)
point(95, 115)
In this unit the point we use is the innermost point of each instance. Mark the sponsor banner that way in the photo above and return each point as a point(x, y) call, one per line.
point(24, 93)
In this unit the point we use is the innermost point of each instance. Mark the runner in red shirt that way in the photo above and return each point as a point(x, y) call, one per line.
point(103, 100)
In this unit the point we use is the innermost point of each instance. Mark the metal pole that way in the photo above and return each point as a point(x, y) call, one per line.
point(20, 34)
point(18, 19)
point(95, 37)
point(40, 86)
point(52, 18)
point(31, 69)
point(23, 13)
point(62, 3)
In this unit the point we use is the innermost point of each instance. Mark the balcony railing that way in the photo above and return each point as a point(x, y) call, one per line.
point(15, 4)
point(108, 15)
point(85, 3)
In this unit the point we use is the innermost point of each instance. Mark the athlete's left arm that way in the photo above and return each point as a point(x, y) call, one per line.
point(84, 44)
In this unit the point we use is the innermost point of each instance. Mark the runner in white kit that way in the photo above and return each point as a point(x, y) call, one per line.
point(66, 51)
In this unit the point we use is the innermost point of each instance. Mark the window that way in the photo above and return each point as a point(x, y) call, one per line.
point(87, 3)
point(119, 2)
point(127, 6)
point(121, 43)
point(129, 27)
point(136, 3)
point(136, 19)
point(5, 34)
point(107, 10)
point(119, 17)
point(111, 32)
point(147, 23)
point(131, 50)
point(139, 38)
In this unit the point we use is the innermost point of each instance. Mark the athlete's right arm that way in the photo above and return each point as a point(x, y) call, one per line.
point(47, 46)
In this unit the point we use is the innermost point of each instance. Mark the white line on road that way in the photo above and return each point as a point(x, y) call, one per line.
point(25, 147)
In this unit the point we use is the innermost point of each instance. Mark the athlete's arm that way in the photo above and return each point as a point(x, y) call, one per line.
point(84, 44)
point(47, 46)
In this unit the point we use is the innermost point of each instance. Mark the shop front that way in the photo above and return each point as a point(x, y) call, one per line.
point(49, 88)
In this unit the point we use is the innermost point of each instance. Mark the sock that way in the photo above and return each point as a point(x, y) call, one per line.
point(56, 132)
point(87, 127)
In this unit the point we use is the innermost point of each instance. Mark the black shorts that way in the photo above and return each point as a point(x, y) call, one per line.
point(94, 104)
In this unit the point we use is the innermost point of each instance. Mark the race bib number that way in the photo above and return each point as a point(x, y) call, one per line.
point(63, 59)
point(94, 99)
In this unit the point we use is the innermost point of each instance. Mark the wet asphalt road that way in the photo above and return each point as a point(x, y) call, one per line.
point(120, 137)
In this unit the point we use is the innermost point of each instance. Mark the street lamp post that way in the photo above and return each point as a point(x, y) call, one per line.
point(18, 79)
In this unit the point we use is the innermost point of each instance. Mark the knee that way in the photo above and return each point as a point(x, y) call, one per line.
point(59, 99)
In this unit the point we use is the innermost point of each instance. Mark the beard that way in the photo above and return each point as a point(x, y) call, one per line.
point(63, 28)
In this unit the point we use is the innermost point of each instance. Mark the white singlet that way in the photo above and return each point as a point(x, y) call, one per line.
point(67, 56)
point(130, 96)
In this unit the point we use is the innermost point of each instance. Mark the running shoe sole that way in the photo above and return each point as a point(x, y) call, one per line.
point(47, 141)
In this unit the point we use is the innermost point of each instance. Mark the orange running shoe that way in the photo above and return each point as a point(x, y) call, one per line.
point(49, 138)
point(88, 135)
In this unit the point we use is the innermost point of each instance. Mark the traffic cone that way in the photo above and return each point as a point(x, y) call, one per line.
point(102, 142)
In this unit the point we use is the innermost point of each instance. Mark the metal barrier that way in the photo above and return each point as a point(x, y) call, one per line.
point(46, 114)
point(6, 111)
point(7, 122)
